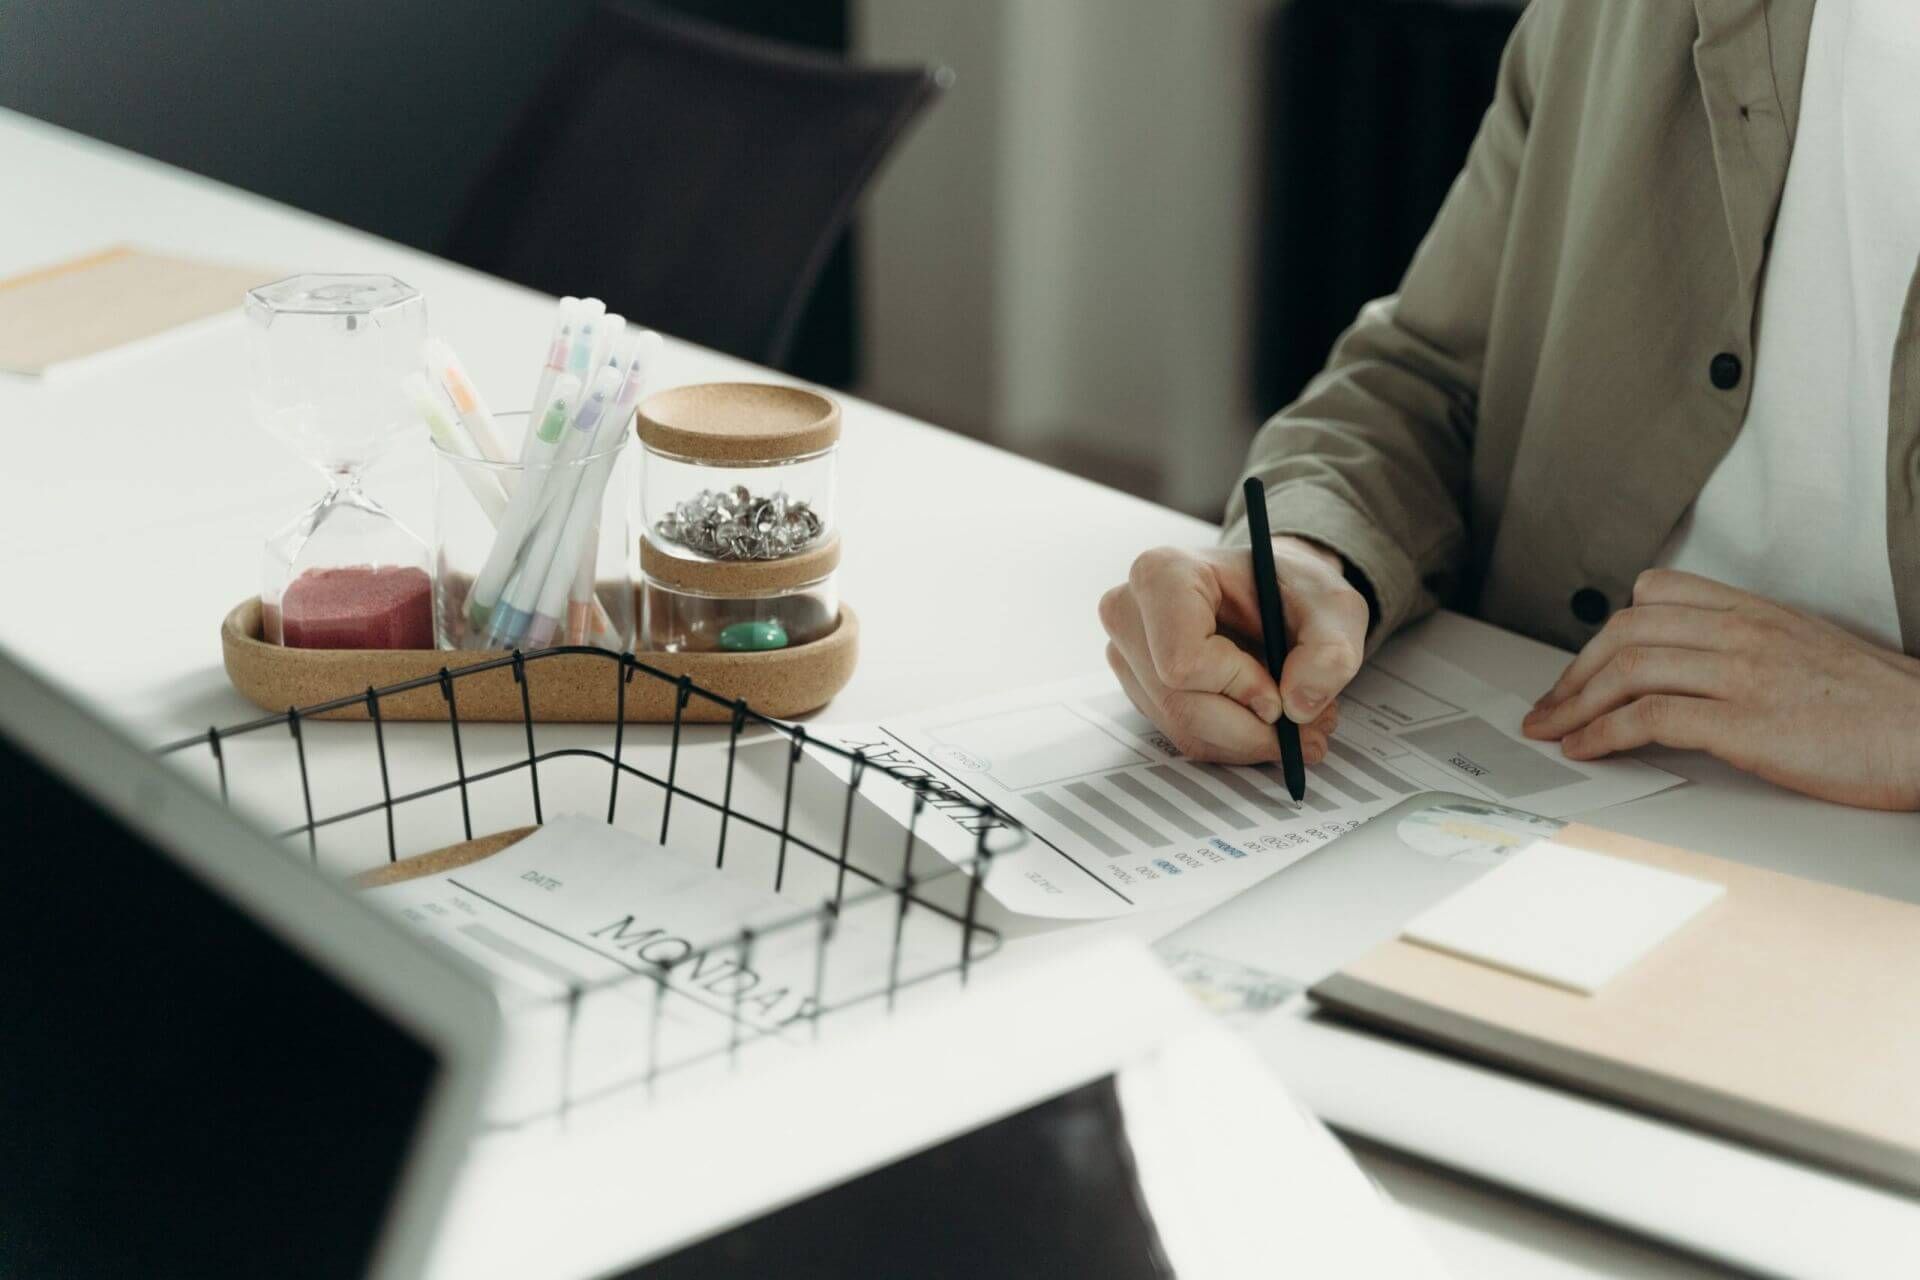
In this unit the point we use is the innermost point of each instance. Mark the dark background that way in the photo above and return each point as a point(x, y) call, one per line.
point(382, 113)
point(376, 113)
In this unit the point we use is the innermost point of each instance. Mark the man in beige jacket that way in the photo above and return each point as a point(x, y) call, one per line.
point(1650, 389)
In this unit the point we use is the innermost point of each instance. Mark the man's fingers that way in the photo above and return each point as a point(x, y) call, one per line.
point(1329, 639)
point(1212, 726)
point(1177, 601)
point(1203, 726)
point(1676, 586)
point(1326, 619)
point(1669, 720)
point(1313, 745)
point(1262, 748)
point(1667, 626)
point(1130, 685)
point(1215, 700)
point(1635, 672)
point(1129, 620)
point(1326, 721)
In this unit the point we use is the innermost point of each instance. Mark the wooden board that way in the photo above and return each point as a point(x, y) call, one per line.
point(565, 687)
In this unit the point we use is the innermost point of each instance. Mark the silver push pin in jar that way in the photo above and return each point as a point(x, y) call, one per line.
point(737, 502)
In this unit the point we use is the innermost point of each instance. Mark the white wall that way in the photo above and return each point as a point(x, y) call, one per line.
point(1062, 255)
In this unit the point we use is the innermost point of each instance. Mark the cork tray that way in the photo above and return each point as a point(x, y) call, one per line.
point(567, 687)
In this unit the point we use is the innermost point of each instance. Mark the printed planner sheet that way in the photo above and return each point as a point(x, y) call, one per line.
point(616, 957)
point(1119, 821)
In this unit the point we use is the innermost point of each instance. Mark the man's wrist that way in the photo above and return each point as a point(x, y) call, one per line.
point(1341, 565)
point(1318, 550)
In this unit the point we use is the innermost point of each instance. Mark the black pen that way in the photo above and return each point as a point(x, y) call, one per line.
point(1273, 630)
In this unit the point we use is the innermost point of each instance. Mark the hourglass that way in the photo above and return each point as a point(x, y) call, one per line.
point(328, 354)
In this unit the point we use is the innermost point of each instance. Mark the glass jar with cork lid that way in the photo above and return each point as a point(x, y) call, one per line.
point(737, 502)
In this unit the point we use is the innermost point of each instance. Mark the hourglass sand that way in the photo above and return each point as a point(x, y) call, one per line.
point(328, 355)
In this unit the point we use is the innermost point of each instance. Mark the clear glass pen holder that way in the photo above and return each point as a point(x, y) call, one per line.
point(527, 556)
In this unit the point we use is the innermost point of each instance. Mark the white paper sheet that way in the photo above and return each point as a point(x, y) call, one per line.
point(1120, 822)
point(1566, 916)
point(583, 905)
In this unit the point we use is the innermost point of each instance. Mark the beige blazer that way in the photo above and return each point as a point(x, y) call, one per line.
point(1517, 430)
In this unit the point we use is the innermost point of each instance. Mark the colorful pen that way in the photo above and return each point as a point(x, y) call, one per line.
point(466, 400)
point(577, 542)
point(451, 436)
point(558, 348)
point(511, 619)
point(586, 335)
point(523, 510)
point(610, 346)
point(634, 356)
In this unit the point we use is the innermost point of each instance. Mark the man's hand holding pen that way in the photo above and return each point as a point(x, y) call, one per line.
point(1184, 635)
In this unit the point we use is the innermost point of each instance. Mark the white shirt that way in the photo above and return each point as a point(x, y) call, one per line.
point(1797, 510)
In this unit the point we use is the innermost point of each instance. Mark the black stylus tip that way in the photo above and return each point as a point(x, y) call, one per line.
point(1293, 766)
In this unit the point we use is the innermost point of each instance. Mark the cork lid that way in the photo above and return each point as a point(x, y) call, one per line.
point(740, 577)
point(738, 422)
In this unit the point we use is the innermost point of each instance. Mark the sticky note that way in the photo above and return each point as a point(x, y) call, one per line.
point(1562, 915)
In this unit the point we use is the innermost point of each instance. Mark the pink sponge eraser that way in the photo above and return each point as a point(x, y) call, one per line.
point(359, 607)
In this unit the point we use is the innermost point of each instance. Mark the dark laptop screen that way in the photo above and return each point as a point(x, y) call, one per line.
point(1048, 1191)
point(180, 1093)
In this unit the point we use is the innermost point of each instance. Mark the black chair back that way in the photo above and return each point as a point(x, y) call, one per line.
point(694, 178)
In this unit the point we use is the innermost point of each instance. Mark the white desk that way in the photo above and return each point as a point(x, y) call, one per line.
point(136, 494)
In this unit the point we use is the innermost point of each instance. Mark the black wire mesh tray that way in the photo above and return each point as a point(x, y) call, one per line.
point(495, 773)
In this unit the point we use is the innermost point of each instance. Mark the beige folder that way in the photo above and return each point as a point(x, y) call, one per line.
point(108, 299)
point(1786, 1015)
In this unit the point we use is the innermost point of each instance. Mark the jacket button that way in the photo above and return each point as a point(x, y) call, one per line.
point(1589, 606)
point(1725, 371)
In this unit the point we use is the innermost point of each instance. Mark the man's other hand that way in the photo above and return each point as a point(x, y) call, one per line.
point(1702, 666)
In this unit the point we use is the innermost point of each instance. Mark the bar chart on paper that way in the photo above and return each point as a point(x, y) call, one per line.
point(1122, 821)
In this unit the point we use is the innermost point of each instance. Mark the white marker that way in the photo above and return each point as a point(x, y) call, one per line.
point(558, 348)
point(452, 437)
point(544, 439)
point(509, 622)
point(583, 612)
point(586, 336)
point(466, 399)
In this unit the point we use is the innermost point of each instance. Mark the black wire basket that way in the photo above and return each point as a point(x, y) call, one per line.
point(939, 890)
